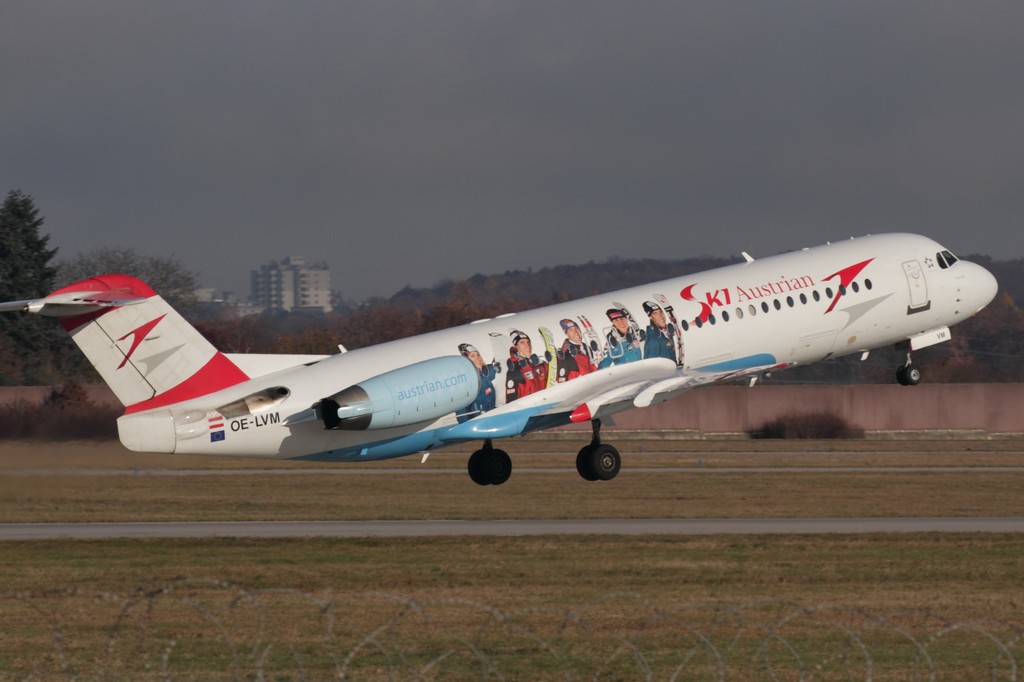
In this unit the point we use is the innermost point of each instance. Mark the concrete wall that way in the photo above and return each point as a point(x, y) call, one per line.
point(993, 408)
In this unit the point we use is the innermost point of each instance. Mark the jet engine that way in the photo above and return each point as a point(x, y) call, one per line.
point(415, 393)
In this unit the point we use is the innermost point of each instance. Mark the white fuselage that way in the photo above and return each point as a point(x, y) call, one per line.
point(795, 308)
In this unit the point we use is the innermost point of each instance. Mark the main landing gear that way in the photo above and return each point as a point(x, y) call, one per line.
point(598, 461)
point(595, 462)
point(489, 466)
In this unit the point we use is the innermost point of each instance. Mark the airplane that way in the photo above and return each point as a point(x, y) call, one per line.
point(579, 361)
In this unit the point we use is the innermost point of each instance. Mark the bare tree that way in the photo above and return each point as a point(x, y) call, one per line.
point(165, 274)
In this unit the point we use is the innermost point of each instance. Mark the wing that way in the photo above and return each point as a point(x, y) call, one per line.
point(593, 396)
point(558, 402)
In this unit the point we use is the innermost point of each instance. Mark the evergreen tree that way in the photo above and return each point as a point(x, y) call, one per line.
point(31, 349)
point(25, 270)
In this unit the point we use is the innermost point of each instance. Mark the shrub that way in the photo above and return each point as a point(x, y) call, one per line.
point(66, 414)
point(818, 425)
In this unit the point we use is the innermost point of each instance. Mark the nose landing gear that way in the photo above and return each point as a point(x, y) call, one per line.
point(908, 374)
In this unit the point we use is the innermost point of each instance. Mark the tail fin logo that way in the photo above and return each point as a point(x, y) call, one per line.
point(138, 336)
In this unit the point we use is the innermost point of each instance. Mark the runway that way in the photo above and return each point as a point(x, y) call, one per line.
point(450, 471)
point(505, 528)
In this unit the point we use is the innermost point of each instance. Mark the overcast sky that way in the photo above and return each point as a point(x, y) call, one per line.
point(408, 142)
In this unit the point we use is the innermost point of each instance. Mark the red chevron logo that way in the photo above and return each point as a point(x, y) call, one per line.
point(139, 335)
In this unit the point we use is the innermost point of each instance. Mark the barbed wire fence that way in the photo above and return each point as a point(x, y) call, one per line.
point(190, 629)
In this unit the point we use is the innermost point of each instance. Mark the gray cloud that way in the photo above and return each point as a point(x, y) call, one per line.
point(408, 142)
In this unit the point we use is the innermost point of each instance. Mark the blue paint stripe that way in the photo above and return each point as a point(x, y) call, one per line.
point(480, 428)
point(759, 360)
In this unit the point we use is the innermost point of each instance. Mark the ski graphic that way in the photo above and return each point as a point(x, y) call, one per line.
point(592, 339)
point(550, 353)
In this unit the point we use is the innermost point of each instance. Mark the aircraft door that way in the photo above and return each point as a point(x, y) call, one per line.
point(919, 300)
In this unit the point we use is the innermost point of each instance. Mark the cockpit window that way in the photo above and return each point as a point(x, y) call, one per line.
point(946, 259)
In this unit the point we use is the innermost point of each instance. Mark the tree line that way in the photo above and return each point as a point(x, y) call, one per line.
point(36, 351)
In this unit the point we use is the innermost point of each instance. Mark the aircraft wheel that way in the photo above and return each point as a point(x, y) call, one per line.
point(908, 375)
point(583, 464)
point(605, 462)
point(489, 466)
point(498, 466)
point(475, 471)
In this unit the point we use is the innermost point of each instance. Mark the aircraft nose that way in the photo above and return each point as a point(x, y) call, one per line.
point(981, 286)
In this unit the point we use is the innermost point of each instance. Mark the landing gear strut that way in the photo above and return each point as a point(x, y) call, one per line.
point(489, 466)
point(598, 461)
point(909, 374)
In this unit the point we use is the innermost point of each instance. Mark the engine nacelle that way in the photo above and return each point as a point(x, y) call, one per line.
point(416, 393)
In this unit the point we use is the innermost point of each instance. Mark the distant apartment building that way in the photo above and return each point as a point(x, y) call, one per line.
point(291, 285)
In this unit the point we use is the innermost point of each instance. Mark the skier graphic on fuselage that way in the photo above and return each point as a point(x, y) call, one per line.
point(487, 397)
point(621, 345)
point(574, 357)
point(526, 372)
point(661, 336)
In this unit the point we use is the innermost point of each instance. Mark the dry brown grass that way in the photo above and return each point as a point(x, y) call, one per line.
point(583, 596)
point(47, 484)
point(122, 605)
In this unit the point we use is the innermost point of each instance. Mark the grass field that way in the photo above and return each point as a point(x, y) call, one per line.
point(44, 483)
point(922, 606)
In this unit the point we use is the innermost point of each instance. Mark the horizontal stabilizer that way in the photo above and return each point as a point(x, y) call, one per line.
point(16, 306)
point(71, 304)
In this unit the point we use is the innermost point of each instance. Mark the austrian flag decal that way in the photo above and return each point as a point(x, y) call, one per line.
point(216, 429)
